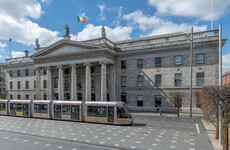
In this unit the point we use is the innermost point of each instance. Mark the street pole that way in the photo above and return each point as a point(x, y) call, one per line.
point(211, 17)
point(220, 85)
point(191, 61)
point(10, 49)
point(76, 28)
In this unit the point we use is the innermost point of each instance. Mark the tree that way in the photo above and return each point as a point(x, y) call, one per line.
point(176, 99)
point(225, 109)
point(210, 104)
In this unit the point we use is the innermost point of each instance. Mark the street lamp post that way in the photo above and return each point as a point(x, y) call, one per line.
point(191, 61)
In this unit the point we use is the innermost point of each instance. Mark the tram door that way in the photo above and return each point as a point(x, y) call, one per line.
point(13, 109)
point(57, 111)
point(111, 114)
point(25, 110)
point(75, 112)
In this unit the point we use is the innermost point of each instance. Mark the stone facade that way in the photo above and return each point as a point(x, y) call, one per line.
point(101, 70)
point(2, 81)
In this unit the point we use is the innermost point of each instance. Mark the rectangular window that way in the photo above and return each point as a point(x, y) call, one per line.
point(123, 64)
point(34, 84)
point(44, 71)
point(178, 79)
point(158, 101)
point(66, 110)
point(27, 84)
point(92, 81)
point(11, 96)
point(19, 73)
point(27, 96)
point(158, 80)
point(19, 96)
point(40, 108)
point(96, 111)
point(200, 58)
point(11, 73)
point(123, 81)
point(178, 60)
point(27, 72)
point(44, 84)
point(158, 62)
point(34, 97)
point(139, 80)
point(200, 79)
point(139, 100)
point(78, 82)
point(19, 85)
point(19, 107)
point(139, 63)
point(35, 72)
point(11, 85)
point(2, 106)
point(123, 97)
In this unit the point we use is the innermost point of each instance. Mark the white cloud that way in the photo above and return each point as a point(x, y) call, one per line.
point(191, 8)
point(46, 1)
point(153, 25)
point(15, 23)
point(1, 56)
point(3, 45)
point(116, 21)
point(17, 54)
point(101, 15)
point(115, 34)
point(226, 62)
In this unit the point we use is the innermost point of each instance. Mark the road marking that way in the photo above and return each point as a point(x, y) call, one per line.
point(47, 145)
point(60, 147)
point(154, 144)
point(36, 142)
point(197, 128)
point(133, 147)
point(172, 146)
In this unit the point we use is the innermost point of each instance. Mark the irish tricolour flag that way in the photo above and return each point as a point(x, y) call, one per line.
point(80, 19)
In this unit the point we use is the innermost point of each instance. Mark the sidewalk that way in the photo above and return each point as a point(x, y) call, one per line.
point(211, 130)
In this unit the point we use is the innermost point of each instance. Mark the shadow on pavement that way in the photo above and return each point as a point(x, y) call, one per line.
point(139, 124)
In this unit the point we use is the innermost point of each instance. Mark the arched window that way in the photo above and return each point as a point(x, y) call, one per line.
point(56, 96)
point(93, 97)
point(67, 96)
point(79, 96)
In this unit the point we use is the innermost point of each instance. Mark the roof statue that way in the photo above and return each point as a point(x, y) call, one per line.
point(67, 36)
point(66, 30)
point(36, 43)
point(103, 33)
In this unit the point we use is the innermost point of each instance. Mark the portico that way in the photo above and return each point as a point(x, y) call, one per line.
point(77, 63)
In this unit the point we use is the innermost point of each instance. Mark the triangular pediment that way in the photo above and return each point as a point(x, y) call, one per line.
point(66, 47)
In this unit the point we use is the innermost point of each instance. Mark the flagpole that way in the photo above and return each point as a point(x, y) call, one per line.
point(10, 48)
point(76, 28)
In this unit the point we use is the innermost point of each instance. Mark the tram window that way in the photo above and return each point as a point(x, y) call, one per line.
point(40, 108)
point(101, 111)
point(92, 111)
point(2, 106)
point(66, 110)
point(19, 107)
point(97, 111)
point(122, 113)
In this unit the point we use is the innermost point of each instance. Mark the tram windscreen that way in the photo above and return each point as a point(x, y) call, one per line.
point(123, 112)
point(2, 106)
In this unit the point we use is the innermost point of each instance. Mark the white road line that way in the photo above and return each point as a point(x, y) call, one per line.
point(197, 128)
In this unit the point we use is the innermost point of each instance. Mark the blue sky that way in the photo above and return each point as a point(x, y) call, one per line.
point(25, 20)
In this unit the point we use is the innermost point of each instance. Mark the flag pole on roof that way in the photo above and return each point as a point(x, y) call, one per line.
point(10, 47)
point(79, 19)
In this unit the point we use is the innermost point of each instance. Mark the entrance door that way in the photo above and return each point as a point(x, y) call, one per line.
point(13, 109)
point(111, 114)
point(75, 112)
point(57, 111)
point(25, 110)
